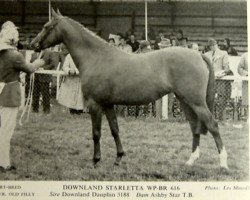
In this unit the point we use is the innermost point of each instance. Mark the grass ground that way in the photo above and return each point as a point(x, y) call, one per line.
point(60, 147)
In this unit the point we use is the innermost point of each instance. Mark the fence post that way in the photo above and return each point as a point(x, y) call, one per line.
point(164, 109)
point(161, 108)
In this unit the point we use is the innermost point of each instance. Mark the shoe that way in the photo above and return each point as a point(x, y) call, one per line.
point(72, 111)
point(2, 170)
point(10, 168)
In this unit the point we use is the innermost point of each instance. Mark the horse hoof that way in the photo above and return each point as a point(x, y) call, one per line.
point(96, 165)
point(121, 154)
point(119, 158)
point(96, 162)
point(189, 164)
point(117, 163)
point(224, 168)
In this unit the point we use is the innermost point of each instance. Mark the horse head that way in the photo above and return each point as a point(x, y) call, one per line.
point(50, 35)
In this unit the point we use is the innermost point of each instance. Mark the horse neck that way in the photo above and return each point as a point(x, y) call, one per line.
point(82, 46)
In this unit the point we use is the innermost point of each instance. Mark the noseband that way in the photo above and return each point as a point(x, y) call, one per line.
point(50, 27)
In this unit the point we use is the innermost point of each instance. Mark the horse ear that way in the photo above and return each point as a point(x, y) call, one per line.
point(53, 13)
point(58, 12)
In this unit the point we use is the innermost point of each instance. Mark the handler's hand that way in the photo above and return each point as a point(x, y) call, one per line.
point(220, 74)
point(38, 63)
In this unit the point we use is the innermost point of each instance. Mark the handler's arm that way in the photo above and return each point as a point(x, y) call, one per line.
point(21, 65)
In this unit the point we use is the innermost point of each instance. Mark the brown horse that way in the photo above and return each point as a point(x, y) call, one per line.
point(110, 76)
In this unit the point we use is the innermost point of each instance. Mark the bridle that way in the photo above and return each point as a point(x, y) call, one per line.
point(49, 28)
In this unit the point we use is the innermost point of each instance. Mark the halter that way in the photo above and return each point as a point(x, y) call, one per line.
point(55, 22)
point(50, 27)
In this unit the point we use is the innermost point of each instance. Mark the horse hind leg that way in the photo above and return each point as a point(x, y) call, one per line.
point(207, 118)
point(112, 120)
point(194, 125)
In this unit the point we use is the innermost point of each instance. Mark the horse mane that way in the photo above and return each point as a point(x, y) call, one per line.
point(87, 30)
point(94, 35)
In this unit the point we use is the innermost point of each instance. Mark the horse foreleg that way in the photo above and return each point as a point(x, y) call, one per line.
point(112, 120)
point(195, 128)
point(96, 118)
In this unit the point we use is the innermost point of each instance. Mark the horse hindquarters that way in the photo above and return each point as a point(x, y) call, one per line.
point(196, 115)
point(207, 118)
point(202, 107)
point(210, 104)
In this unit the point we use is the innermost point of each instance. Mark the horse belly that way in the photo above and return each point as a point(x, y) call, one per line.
point(140, 93)
point(143, 83)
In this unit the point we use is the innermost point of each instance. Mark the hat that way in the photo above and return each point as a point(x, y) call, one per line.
point(9, 33)
point(9, 24)
point(164, 43)
point(211, 42)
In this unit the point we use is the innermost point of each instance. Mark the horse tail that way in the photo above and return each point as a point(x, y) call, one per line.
point(211, 84)
point(210, 90)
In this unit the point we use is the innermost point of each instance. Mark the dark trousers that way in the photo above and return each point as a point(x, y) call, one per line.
point(27, 86)
point(41, 88)
point(74, 111)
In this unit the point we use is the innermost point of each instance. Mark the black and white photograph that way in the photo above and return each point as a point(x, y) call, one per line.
point(95, 94)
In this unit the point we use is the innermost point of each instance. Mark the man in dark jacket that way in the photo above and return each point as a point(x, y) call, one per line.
point(133, 43)
point(42, 81)
point(228, 48)
point(180, 39)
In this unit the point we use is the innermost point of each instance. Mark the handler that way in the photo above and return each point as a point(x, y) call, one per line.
point(12, 63)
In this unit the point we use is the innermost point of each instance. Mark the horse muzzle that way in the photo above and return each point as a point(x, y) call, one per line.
point(36, 46)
